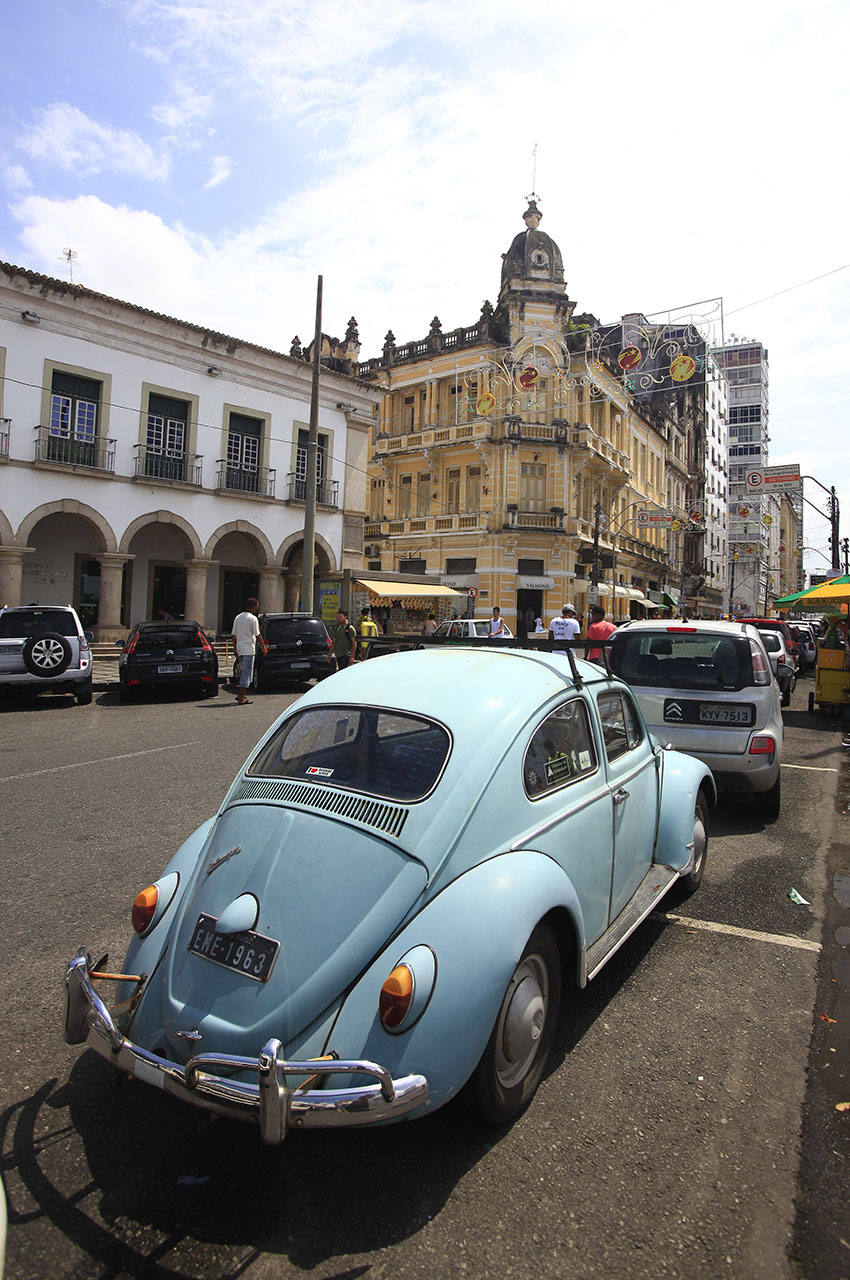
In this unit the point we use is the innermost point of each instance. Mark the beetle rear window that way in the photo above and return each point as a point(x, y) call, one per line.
point(381, 752)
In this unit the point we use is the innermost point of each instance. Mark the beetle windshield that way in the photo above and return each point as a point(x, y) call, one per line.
point(382, 752)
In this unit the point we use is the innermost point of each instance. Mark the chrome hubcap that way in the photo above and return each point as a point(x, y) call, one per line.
point(521, 1022)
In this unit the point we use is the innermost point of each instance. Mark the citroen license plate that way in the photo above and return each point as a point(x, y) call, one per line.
point(170, 671)
point(251, 954)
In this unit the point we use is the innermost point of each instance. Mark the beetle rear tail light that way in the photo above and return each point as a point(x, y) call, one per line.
point(144, 906)
point(396, 996)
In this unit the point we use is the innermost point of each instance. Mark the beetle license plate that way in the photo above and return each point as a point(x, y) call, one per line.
point(248, 953)
point(170, 671)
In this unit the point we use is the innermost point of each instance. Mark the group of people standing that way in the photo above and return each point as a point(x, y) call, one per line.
point(567, 627)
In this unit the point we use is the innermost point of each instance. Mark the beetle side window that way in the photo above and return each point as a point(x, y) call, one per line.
point(621, 728)
point(560, 751)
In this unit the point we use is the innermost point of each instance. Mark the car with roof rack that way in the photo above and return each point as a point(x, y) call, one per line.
point(414, 859)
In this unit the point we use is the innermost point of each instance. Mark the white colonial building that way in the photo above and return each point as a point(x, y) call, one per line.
point(147, 464)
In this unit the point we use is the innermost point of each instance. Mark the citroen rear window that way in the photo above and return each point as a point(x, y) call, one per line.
point(169, 638)
point(288, 630)
point(34, 622)
point(680, 659)
point(381, 752)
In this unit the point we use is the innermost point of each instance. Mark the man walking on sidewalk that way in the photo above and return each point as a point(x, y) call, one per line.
point(246, 633)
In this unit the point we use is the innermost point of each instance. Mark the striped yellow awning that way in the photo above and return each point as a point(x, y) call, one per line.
point(406, 591)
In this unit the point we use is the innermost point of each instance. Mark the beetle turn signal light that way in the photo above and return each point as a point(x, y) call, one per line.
point(144, 906)
point(396, 996)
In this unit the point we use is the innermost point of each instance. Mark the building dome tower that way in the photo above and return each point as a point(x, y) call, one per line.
point(533, 260)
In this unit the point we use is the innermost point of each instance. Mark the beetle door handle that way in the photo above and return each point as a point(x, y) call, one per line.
point(620, 797)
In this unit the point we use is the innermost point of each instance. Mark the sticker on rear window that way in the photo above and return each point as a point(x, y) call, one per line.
point(323, 773)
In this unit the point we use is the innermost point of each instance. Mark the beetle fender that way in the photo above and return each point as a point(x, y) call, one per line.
point(143, 954)
point(477, 928)
point(683, 778)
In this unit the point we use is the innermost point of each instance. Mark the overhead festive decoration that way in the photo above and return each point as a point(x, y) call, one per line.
point(528, 377)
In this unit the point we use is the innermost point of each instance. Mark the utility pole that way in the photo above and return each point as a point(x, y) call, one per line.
point(310, 483)
point(594, 573)
point(834, 540)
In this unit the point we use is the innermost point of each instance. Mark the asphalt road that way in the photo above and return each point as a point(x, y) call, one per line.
point(687, 1125)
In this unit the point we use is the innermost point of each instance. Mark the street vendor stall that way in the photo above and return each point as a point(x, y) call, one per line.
point(832, 674)
point(400, 607)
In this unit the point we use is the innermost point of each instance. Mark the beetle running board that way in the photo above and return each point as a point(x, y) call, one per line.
point(653, 888)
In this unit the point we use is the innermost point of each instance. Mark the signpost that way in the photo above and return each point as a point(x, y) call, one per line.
point(774, 479)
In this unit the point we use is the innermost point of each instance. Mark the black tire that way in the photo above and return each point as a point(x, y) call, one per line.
point(261, 680)
point(785, 700)
point(83, 694)
point(768, 803)
point(508, 1074)
point(692, 881)
point(209, 690)
point(811, 701)
point(47, 655)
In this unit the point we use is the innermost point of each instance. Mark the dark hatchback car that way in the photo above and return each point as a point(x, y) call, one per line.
point(159, 655)
point(297, 647)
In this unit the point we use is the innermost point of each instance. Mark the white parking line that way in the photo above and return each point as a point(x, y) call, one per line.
point(813, 768)
point(752, 935)
point(84, 764)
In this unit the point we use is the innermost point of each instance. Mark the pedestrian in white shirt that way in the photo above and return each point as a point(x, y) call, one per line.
point(564, 628)
point(245, 632)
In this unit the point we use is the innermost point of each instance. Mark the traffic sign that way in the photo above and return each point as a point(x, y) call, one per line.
point(774, 479)
point(657, 517)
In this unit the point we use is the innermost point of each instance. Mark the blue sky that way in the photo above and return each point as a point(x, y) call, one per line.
point(209, 160)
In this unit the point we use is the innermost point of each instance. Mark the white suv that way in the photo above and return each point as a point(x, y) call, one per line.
point(44, 649)
point(708, 688)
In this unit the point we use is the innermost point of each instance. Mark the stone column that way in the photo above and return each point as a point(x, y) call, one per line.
point(108, 626)
point(270, 589)
point(197, 576)
point(11, 566)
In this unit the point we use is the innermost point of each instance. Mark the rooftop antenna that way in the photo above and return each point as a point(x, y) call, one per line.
point(533, 174)
point(68, 255)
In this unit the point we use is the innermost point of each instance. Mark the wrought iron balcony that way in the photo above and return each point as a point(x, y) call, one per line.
point(179, 468)
point(259, 480)
point(327, 491)
point(72, 451)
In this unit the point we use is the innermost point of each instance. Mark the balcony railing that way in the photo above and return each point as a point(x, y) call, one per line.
point(327, 491)
point(71, 451)
point(535, 519)
point(178, 469)
point(260, 480)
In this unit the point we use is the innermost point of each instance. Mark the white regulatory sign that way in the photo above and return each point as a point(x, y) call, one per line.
point(774, 479)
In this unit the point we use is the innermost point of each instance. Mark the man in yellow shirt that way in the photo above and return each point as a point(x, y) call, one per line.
point(367, 629)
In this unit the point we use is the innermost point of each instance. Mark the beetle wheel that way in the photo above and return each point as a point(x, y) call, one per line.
point(691, 882)
point(512, 1065)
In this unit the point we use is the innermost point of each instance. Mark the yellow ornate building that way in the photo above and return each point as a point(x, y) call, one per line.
point(510, 462)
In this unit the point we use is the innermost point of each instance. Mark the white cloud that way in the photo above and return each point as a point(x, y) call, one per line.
point(221, 171)
point(185, 110)
point(65, 136)
point(17, 180)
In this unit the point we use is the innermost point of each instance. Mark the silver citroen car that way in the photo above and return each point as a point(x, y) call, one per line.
point(708, 688)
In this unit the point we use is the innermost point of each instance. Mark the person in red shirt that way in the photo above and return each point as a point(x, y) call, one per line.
point(599, 629)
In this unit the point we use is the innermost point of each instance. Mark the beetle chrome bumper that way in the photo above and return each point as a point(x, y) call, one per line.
point(268, 1102)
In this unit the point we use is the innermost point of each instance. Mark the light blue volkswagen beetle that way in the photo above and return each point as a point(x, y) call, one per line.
point(415, 857)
